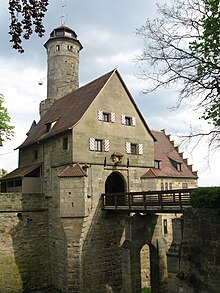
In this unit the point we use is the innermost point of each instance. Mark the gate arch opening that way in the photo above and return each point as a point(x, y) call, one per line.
point(114, 183)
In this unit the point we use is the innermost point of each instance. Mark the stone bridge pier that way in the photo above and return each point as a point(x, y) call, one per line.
point(112, 257)
point(139, 231)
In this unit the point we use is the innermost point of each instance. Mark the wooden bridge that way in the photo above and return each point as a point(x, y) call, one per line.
point(159, 201)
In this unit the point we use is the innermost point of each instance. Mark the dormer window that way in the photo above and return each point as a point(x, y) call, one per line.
point(157, 164)
point(50, 125)
point(177, 165)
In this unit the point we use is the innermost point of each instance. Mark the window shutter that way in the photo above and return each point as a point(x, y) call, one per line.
point(106, 145)
point(123, 119)
point(92, 144)
point(140, 149)
point(112, 117)
point(100, 115)
point(133, 121)
point(128, 147)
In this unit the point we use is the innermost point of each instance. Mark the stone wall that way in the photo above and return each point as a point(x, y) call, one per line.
point(24, 263)
point(193, 260)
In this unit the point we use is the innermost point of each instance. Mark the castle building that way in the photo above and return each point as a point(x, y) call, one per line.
point(89, 140)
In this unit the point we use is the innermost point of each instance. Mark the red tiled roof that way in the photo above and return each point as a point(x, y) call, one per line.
point(73, 171)
point(21, 171)
point(164, 151)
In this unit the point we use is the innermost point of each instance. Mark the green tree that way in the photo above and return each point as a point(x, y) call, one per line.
point(6, 130)
point(3, 172)
point(181, 48)
point(26, 18)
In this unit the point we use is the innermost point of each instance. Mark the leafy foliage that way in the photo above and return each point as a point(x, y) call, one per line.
point(3, 172)
point(146, 290)
point(181, 48)
point(205, 197)
point(26, 17)
point(6, 130)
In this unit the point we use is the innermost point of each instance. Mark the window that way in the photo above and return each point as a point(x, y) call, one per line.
point(128, 120)
point(35, 154)
point(166, 185)
point(65, 143)
point(57, 47)
point(157, 164)
point(184, 185)
point(106, 117)
point(177, 165)
point(170, 186)
point(69, 48)
point(98, 145)
point(162, 186)
point(165, 230)
point(134, 147)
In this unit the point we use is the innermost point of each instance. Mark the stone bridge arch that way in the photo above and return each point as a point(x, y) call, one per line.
point(140, 231)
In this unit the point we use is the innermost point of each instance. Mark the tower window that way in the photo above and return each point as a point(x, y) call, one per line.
point(57, 47)
point(69, 48)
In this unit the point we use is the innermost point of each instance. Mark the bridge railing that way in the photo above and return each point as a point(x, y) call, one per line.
point(160, 199)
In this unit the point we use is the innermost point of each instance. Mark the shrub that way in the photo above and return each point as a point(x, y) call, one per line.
point(205, 197)
point(146, 290)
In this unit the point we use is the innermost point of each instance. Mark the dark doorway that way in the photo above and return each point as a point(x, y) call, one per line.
point(114, 183)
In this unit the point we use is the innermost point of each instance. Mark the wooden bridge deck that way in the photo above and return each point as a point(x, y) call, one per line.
point(159, 201)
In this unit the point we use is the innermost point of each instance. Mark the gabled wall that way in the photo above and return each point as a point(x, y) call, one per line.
point(113, 98)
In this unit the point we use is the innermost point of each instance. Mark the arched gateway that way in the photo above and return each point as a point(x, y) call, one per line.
point(114, 183)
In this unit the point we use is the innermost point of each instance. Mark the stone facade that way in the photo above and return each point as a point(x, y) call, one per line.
point(24, 243)
point(92, 141)
point(193, 259)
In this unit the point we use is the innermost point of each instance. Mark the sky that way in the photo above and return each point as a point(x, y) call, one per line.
point(106, 30)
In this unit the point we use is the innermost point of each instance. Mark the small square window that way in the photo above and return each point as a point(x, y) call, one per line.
point(98, 145)
point(128, 120)
point(106, 117)
point(65, 143)
point(184, 185)
point(157, 164)
point(134, 149)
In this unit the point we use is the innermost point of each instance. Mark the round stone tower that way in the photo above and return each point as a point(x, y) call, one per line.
point(62, 65)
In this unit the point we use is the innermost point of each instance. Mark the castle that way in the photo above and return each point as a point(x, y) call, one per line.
point(89, 140)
